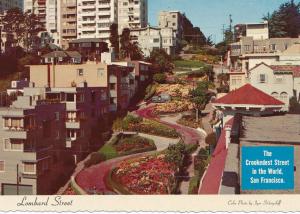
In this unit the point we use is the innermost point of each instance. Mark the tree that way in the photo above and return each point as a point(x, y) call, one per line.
point(160, 78)
point(161, 61)
point(32, 26)
point(24, 27)
point(114, 37)
point(199, 96)
point(284, 22)
point(129, 49)
point(13, 23)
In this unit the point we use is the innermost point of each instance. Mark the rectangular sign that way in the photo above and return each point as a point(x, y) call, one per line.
point(267, 168)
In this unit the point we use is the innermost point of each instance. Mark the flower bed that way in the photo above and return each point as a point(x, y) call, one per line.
point(173, 107)
point(146, 175)
point(126, 145)
point(134, 144)
point(137, 124)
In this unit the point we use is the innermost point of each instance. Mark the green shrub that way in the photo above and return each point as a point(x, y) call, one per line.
point(211, 139)
point(190, 148)
point(94, 159)
point(156, 128)
point(194, 185)
point(160, 78)
point(131, 119)
point(108, 152)
point(150, 91)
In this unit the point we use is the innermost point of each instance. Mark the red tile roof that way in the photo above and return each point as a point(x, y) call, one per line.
point(292, 68)
point(248, 95)
point(212, 179)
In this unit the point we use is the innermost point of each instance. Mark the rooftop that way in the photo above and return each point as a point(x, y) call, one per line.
point(275, 129)
point(248, 95)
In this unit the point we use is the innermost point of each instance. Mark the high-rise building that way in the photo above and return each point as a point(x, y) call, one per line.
point(132, 14)
point(95, 17)
point(67, 24)
point(7, 4)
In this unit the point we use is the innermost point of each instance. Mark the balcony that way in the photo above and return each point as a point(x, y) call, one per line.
point(29, 176)
point(73, 124)
point(16, 133)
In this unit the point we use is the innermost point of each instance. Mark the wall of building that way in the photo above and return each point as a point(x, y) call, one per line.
point(278, 86)
point(65, 75)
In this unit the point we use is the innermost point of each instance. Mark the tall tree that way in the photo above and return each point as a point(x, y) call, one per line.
point(128, 48)
point(199, 97)
point(284, 22)
point(114, 37)
point(24, 27)
point(13, 23)
point(161, 61)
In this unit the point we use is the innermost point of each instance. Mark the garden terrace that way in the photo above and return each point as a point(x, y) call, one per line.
point(121, 145)
point(137, 124)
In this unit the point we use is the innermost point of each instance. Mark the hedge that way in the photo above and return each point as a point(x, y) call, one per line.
point(150, 91)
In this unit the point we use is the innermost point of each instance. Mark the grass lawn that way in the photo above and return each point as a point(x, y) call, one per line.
point(108, 151)
point(188, 64)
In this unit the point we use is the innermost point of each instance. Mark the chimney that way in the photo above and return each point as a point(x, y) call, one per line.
point(227, 136)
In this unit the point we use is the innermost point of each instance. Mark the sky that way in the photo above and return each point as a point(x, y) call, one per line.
point(211, 15)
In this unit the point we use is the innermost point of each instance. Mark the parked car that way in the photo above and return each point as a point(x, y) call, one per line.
point(162, 98)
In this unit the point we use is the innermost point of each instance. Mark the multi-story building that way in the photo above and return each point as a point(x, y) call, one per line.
point(150, 38)
point(97, 75)
point(32, 135)
point(95, 17)
point(44, 133)
point(132, 14)
point(258, 31)
point(90, 49)
point(171, 19)
point(67, 13)
point(8, 4)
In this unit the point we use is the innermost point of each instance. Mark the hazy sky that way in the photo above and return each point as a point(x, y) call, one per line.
point(210, 15)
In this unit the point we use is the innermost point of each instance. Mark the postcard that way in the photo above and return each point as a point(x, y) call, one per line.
point(137, 105)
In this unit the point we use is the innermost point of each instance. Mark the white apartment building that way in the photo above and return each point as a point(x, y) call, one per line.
point(172, 19)
point(151, 38)
point(94, 18)
point(7, 4)
point(132, 14)
point(52, 20)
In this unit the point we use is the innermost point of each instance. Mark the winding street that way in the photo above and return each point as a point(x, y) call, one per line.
point(93, 178)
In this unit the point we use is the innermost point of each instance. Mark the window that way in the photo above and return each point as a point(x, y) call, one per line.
point(262, 78)
point(284, 97)
point(29, 168)
point(57, 116)
point(275, 95)
point(100, 72)
point(80, 72)
point(2, 166)
point(13, 145)
point(155, 40)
